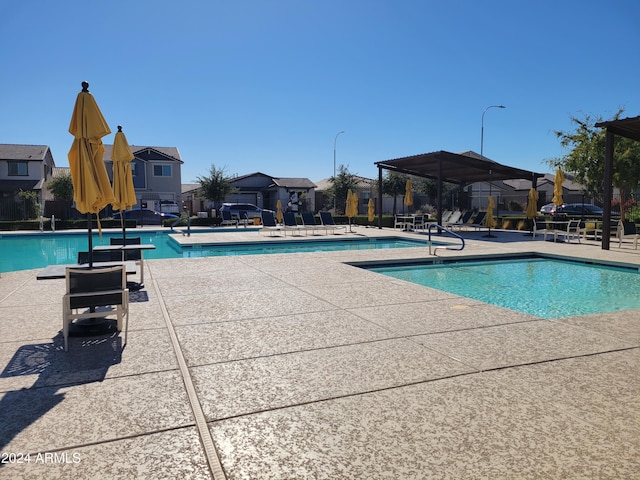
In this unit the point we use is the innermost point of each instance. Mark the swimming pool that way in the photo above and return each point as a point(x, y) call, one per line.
point(544, 287)
point(23, 252)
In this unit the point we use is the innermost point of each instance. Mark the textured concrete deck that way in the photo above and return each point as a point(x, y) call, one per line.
point(299, 366)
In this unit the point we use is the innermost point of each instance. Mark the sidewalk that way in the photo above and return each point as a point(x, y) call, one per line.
point(298, 366)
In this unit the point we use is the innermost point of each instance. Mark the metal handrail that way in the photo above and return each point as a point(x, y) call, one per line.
point(188, 217)
point(441, 228)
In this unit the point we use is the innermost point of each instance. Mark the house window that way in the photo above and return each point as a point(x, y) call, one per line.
point(162, 170)
point(18, 169)
point(134, 169)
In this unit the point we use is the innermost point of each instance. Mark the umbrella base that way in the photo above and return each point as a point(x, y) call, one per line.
point(135, 286)
point(92, 327)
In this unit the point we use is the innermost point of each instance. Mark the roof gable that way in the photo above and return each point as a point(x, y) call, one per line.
point(168, 153)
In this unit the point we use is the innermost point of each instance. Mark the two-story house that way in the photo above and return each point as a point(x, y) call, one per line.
point(156, 174)
point(23, 168)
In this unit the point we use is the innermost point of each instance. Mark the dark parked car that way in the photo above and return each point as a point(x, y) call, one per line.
point(145, 216)
point(576, 209)
point(236, 208)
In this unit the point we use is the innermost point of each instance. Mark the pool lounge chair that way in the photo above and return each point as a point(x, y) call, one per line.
point(227, 219)
point(465, 219)
point(309, 222)
point(269, 223)
point(327, 221)
point(478, 221)
point(88, 288)
point(291, 224)
point(454, 219)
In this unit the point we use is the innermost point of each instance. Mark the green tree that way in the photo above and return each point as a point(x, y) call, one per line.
point(585, 158)
point(217, 186)
point(31, 207)
point(429, 186)
point(340, 185)
point(61, 187)
point(394, 184)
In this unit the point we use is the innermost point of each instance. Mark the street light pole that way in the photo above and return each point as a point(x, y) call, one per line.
point(334, 169)
point(482, 152)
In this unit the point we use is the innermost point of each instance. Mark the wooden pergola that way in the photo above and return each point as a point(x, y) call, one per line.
point(627, 128)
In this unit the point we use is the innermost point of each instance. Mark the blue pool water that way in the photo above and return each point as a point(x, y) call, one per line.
point(546, 288)
point(22, 252)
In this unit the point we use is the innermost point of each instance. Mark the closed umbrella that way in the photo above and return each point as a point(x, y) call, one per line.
point(352, 206)
point(557, 188)
point(91, 188)
point(490, 220)
point(371, 210)
point(408, 194)
point(532, 207)
point(123, 190)
point(279, 216)
point(532, 204)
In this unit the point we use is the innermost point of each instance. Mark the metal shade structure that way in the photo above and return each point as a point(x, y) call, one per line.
point(627, 128)
point(91, 187)
point(458, 168)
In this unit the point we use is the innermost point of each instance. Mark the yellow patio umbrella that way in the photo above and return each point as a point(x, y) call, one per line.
point(408, 194)
point(91, 188)
point(490, 220)
point(371, 210)
point(557, 188)
point(351, 208)
point(279, 216)
point(532, 204)
point(123, 190)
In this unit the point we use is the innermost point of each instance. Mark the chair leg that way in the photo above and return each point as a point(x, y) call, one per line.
point(65, 324)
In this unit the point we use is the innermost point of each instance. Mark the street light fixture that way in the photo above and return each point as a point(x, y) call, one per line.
point(482, 153)
point(334, 169)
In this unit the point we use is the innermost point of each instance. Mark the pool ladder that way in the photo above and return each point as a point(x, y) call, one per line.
point(449, 247)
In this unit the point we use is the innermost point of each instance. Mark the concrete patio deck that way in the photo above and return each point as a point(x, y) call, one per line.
point(298, 366)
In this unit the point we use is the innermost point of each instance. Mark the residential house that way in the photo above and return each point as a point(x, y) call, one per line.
point(509, 192)
point(23, 168)
point(156, 174)
point(259, 189)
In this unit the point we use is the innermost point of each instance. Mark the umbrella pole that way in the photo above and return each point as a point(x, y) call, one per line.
point(90, 240)
point(124, 231)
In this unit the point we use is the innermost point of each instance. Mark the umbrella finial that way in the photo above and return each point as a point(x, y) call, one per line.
point(120, 128)
point(85, 86)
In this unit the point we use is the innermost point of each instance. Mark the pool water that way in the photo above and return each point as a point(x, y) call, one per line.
point(546, 288)
point(22, 252)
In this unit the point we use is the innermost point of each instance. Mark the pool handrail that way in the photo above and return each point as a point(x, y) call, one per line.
point(188, 218)
point(440, 229)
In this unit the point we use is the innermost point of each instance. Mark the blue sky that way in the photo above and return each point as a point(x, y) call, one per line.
point(265, 85)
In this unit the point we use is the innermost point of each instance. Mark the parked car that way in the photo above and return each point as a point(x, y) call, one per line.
point(236, 208)
point(145, 216)
point(548, 209)
point(169, 206)
point(586, 209)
